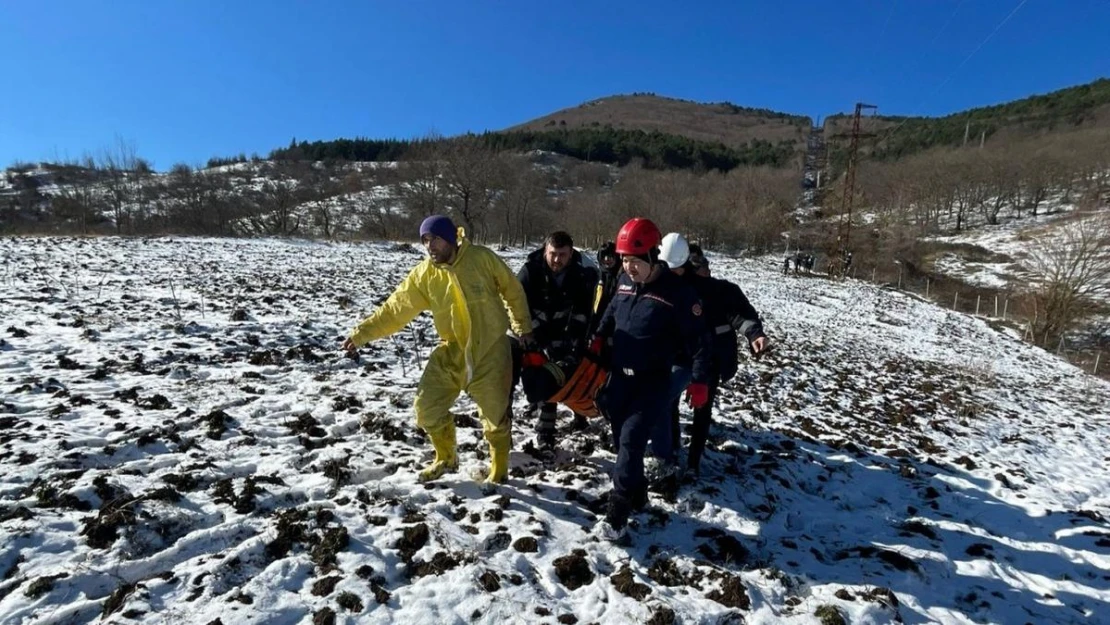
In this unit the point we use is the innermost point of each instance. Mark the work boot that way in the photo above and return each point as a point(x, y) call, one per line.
point(499, 445)
point(545, 441)
point(545, 428)
point(443, 441)
point(619, 509)
point(604, 530)
point(580, 423)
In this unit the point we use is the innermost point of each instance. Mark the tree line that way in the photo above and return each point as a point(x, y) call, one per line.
point(1060, 111)
point(498, 196)
point(601, 144)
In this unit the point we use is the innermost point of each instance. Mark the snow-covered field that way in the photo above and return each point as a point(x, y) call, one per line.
point(182, 442)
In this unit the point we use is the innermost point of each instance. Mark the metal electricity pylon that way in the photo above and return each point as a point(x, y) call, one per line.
point(844, 231)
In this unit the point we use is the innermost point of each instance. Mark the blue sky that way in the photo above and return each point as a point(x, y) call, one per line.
point(183, 80)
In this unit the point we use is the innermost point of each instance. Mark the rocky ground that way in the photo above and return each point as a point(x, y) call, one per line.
point(181, 441)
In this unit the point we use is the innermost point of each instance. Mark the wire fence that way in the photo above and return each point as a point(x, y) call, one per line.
point(999, 307)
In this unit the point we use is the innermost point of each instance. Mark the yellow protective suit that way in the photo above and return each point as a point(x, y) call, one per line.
point(468, 299)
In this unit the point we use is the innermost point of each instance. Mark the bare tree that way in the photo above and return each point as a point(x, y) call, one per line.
point(593, 215)
point(418, 181)
point(516, 207)
point(143, 191)
point(78, 200)
point(199, 202)
point(330, 215)
point(276, 208)
point(118, 165)
point(470, 174)
point(1002, 181)
point(970, 189)
point(1038, 172)
point(933, 193)
point(1071, 269)
point(758, 201)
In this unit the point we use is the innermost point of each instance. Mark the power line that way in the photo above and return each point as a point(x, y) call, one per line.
point(973, 52)
point(946, 23)
point(951, 75)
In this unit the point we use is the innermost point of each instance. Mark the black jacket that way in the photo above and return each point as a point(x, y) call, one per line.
point(606, 287)
point(727, 311)
point(651, 324)
point(561, 309)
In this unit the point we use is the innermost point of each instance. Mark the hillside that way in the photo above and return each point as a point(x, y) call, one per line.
point(1084, 106)
point(181, 441)
point(331, 199)
point(681, 134)
point(661, 133)
point(735, 126)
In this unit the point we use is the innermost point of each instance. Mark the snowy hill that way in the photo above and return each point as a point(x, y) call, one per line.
point(238, 199)
point(323, 199)
point(1000, 255)
point(181, 442)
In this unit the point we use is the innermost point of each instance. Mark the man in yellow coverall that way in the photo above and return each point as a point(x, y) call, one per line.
point(468, 288)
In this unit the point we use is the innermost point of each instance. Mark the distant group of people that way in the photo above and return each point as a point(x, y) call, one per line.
point(800, 261)
point(839, 263)
point(623, 339)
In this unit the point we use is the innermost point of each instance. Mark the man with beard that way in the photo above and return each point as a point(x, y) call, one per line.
point(468, 289)
point(559, 287)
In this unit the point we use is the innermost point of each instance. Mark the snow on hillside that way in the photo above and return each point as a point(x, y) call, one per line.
point(1008, 243)
point(181, 442)
point(254, 184)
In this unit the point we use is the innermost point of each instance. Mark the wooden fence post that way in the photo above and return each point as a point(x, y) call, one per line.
point(977, 298)
point(955, 300)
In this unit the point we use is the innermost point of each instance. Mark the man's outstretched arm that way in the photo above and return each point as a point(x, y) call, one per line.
point(406, 302)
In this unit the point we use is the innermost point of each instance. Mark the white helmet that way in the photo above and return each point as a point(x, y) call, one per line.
point(674, 250)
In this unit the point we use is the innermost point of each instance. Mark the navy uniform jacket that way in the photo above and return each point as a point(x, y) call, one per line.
point(727, 311)
point(650, 324)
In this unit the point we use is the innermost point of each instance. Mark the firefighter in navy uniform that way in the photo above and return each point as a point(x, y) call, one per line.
point(727, 312)
point(654, 315)
point(560, 291)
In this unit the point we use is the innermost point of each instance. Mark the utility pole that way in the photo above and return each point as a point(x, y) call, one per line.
point(845, 233)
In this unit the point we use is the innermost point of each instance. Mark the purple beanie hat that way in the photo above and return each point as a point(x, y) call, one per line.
point(440, 226)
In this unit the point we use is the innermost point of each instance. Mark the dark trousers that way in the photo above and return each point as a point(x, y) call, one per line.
point(545, 424)
point(699, 432)
point(635, 405)
point(665, 440)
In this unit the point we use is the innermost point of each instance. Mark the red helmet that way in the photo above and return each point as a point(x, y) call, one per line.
point(637, 237)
